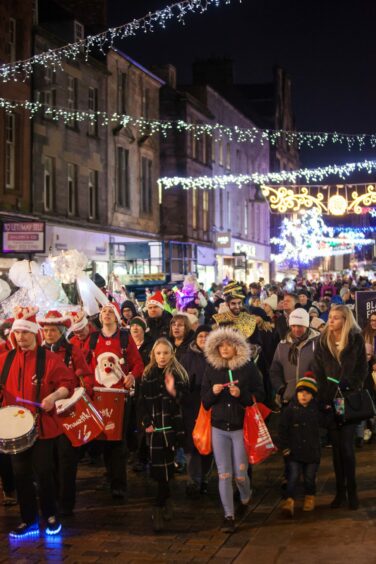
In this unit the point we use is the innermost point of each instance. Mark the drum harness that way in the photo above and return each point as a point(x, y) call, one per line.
point(40, 367)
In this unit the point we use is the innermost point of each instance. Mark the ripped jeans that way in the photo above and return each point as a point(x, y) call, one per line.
point(231, 460)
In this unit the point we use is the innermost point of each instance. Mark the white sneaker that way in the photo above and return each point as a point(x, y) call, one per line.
point(367, 434)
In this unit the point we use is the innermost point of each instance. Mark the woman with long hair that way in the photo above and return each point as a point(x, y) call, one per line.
point(163, 386)
point(340, 364)
point(369, 331)
point(181, 334)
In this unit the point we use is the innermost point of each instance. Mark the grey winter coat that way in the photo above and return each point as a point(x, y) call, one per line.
point(283, 374)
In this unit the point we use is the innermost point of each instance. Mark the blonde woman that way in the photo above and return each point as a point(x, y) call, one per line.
point(369, 331)
point(163, 385)
point(340, 362)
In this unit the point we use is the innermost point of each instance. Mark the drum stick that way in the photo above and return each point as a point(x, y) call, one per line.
point(21, 400)
point(162, 429)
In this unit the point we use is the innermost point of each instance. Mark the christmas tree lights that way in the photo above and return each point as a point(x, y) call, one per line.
point(303, 239)
point(105, 40)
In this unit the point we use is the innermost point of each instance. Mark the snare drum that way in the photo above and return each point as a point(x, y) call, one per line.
point(110, 402)
point(80, 421)
point(18, 429)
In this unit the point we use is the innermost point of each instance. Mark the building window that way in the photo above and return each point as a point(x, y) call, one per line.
point(122, 93)
point(205, 211)
point(93, 194)
point(10, 151)
point(213, 147)
point(35, 12)
point(238, 161)
point(220, 152)
point(146, 185)
point(79, 31)
point(72, 188)
point(93, 109)
point(221, 207)
point(48, 183)
point(193, 143)
point(72, 91)
point(228, 210)
point(11, 47)
point(245, 230)
point(194, 208)
point(228, 156)
point(122, 178)
point(47, 97)
point(145, 109)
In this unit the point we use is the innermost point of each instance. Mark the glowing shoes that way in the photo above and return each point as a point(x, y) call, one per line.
point(24, 531)
point(53, 526)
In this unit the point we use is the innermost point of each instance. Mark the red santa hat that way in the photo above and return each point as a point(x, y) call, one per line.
point(156, 299)
point(25, 320)
point(113, 307)
point(54, 317)
point(78, 320)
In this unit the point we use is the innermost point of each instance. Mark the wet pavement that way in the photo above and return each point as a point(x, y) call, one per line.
point(104, 531)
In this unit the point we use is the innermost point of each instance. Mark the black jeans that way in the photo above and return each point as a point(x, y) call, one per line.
point(342, 439)
point(115, 459)
point(6, 473)
point(35, 463)
point(67, 460)
point(294, 470)
point(163, 493)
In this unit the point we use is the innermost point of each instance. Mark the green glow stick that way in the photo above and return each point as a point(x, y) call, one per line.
point(230, 376)
point(162, 428)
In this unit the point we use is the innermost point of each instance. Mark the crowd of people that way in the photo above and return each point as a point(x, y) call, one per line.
point(147, 371)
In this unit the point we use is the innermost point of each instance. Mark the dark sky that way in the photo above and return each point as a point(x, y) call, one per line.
point(327, 46)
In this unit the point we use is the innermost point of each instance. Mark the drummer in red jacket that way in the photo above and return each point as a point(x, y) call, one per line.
point(31, 373)
point(80, 331)
point(54, 326)
point(116, 362)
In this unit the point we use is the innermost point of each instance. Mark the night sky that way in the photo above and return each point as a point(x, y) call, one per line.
point(328, 47)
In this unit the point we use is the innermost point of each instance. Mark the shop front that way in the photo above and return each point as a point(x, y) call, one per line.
point(243, 261)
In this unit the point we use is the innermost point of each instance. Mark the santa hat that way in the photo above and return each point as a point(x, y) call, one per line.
point(25, 320)
point(113, 308)
point(156, 299)
point(54, 317)
point(78, 320)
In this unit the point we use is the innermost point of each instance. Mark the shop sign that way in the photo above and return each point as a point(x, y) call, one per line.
point(365, 305)
point(249, 250)
point(23, 237)
point(223, 239)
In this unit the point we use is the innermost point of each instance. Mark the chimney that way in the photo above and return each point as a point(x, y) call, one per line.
point(167, 73)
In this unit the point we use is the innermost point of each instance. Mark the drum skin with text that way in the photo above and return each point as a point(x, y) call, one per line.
point(80, 421)
point(110, 402)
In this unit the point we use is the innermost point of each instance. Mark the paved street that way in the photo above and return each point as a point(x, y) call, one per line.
point(103, 532)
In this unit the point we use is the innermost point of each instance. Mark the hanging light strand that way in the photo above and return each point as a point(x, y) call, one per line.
point(21, 70)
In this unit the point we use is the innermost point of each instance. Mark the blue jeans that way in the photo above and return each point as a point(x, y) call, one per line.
point(231, 460)
point(294, 470)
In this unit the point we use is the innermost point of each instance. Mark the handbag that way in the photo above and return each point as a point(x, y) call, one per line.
point(202, 431)
point(354, 406)
point(257, 440)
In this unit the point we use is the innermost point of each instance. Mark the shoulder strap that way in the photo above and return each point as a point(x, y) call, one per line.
point(93, 339)
point(7, 364)
point(124, 338)
point(68, 353)
point(41, 365)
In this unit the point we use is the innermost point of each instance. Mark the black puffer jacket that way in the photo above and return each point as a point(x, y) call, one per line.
point(228, 411)
point(351, 371)
point(299, 431)
point(159, 326)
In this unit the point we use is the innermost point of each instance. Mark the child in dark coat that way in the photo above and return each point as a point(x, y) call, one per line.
point(299, 440)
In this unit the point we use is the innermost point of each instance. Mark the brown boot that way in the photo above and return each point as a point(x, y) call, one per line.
point(309, 503)
point(288, 507)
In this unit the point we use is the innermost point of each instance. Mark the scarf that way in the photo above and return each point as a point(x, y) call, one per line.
point(295, 347)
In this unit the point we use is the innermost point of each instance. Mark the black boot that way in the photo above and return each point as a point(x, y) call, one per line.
point(339, 500)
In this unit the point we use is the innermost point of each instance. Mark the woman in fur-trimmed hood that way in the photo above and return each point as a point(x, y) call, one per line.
point(230, 381)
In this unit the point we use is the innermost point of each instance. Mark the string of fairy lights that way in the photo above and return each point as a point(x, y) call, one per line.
point(102, 42)
point(215, 131)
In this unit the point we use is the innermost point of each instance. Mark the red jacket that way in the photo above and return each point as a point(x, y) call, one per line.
point(21, 382)
point(133, 361)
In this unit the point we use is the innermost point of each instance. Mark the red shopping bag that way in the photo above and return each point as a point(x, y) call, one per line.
point(258, 443)
point(202, 431)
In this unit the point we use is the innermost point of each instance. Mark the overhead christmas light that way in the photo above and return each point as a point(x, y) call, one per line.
point(105, 40)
